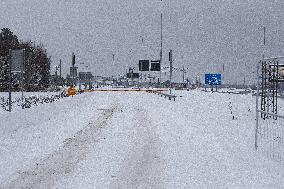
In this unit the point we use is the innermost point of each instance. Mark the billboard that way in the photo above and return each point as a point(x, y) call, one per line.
point(17, 60)
point(132, 75)
point(144, 65)
point(155, 65)
point(213, 79)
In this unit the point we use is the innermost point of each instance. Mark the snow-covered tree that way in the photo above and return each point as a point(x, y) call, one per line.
point(36, 65)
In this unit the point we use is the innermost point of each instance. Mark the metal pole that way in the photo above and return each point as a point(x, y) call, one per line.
point(161, 53)
point(132, 77)
point(56, 76)
point(171, 69)
point(183, 72)
point(10, 81)
point(22, 79)
point(256, 108)
point(264, 36)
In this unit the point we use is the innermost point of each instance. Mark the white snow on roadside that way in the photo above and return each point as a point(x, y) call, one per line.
point(148, 142)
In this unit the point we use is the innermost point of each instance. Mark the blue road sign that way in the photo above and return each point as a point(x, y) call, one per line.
point(213, 79)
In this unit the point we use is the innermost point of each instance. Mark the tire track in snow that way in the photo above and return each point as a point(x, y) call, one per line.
point(144, 167)
point(63, 161)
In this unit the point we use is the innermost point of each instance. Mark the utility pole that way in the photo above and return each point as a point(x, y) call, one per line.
point(257, 94)
point(171, 69)
point(266, 92)
point(264, 35)
point(161, 53)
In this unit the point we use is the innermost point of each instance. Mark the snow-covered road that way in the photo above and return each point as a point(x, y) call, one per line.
point(136, 140)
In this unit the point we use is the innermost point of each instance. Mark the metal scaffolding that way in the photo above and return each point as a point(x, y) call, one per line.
point(269, 131)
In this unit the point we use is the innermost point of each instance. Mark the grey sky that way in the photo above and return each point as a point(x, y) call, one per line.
point(203, 35)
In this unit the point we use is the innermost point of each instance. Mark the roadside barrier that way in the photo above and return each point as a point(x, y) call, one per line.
point(169, 96)
point(30, 101)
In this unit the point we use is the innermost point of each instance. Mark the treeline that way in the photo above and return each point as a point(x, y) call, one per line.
point(36, 65)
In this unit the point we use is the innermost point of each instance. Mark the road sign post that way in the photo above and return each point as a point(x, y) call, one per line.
point(16, 65)
point(10, 82)
point(213, 80)
point(171, 69)
point(22, 78)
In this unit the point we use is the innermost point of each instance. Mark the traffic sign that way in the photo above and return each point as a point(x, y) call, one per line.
point(213, 79)
point(144, 65)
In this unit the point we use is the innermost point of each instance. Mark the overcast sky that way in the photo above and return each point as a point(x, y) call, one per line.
point(203, 34)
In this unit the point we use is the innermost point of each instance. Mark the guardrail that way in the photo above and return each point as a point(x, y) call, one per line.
point(170, 96)
point(123, 90)
point(229, 92)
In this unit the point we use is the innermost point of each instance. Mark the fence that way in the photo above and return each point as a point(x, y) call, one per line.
point(270, 138)
point(30, 101)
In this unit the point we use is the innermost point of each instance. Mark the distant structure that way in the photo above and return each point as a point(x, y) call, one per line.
point(72, 77)
point(86, 79)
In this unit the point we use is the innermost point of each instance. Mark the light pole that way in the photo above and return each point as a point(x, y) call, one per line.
point(161, 53)
point(184, 71)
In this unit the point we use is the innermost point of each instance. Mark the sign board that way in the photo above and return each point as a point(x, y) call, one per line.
point(213, 79)
point(276, 73)
point(88, 76)
point(281, 73)
point(155, 65)
point(132, 75)
point(144, 65)
point(17, 60)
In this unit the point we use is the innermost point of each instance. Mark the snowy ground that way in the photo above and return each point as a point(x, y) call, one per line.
point(136, 140)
